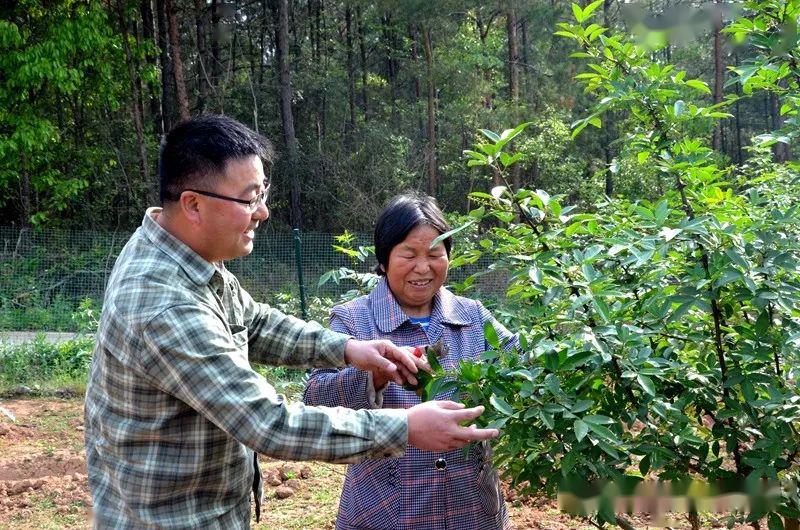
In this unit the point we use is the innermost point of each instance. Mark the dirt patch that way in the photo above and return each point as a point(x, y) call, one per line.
point(43, 480)
point(43, 483)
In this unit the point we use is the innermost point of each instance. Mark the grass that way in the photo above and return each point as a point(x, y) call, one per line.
point(46, 367)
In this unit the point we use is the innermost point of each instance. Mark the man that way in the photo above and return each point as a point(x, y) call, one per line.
point(174, 412)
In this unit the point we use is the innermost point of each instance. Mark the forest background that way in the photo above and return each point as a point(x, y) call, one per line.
point(362, 99)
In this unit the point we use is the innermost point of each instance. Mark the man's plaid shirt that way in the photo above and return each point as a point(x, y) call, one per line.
point(173, 408)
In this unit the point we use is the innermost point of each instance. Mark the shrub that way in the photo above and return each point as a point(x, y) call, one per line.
point(659, 338)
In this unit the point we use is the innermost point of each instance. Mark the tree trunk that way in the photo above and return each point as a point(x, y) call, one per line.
point(513, 80)
point(25, 194)
point(416, 84)
point(177, 64)
point(203, 86)
point(216, 63)
point(391, 76)
point(525, 79)
point(433, 184)
point(351, 83)
point(287, 117)
point(608, 155)
point(717, 137)
point(263, 38)
point(322, 112)
point(148, 34)
point(167, 77)
point(136, 110)
point(738, 117)
point(363, 53)
point(513, 60)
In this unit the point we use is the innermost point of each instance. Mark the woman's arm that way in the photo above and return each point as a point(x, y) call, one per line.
point(348, 387)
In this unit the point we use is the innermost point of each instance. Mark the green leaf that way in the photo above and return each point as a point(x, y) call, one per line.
point(501, 405)
point(774, 522)
point(763, 322)
point(608, 449)
point(578, 13)
point(603, 432)
point(588, 10)
point(451, 233)
point(680, 311)
point(490, 335)
point(602, 309)
point(490, 135)
point(433, 358)
point(728, 276)
point(578, 127)
point(581, 429)
point(437, 386)
point(644, 465)
point(598, 420)
point(576, 360)
point(423, 378)
point(646, 383)
point(697, 84)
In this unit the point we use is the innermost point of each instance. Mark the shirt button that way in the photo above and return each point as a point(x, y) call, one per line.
point(440, 464)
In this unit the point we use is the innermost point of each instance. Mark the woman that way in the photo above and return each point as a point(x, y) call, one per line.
point(410, 306)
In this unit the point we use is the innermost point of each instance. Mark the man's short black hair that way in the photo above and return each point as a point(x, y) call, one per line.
point(404, 213)
point(194, 153)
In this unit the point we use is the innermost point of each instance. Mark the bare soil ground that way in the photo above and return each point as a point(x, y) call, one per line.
point(43, 483)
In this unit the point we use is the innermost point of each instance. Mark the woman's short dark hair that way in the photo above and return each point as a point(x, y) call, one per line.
point(196, 151)
point(404, 213)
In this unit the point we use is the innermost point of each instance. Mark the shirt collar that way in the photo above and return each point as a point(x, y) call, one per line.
point(389, 316)
point(196, 268)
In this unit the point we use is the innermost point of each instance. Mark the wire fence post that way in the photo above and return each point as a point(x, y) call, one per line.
point(299, 261)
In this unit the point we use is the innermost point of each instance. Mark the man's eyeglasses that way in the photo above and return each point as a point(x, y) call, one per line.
point(252, 205)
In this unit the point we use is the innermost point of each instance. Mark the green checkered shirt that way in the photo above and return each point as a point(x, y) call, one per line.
point(173, 409)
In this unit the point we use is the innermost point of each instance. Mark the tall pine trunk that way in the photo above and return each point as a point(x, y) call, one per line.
point(513, 79)
point(203, 86)
point(413, 32)
point(351, 75)
point(389, 62)
point(149, 35)
point(167, 77)
point(216, 62)
point(363, 55)
point(177, 63)
point(136, 109)
point(718, 135)
point(430, 156)
point(287, 117)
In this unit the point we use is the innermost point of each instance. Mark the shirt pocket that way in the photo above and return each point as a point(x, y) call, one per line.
point(487, 482)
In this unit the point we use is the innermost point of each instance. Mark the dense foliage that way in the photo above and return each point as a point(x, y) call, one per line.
point(384, 96)
point(657, 335)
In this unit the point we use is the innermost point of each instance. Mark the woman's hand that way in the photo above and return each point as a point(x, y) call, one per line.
point(386, 361)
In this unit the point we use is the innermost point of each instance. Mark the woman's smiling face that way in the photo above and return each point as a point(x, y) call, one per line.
point(415, 272)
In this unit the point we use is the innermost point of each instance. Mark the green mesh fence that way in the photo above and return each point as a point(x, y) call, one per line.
point(48, 277)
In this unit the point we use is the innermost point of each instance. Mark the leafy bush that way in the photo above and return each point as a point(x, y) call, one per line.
point(659, 338)
point(45, 366)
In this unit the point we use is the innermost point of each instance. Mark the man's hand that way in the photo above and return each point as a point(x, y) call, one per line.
point(386, 361)
point(435, 426)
